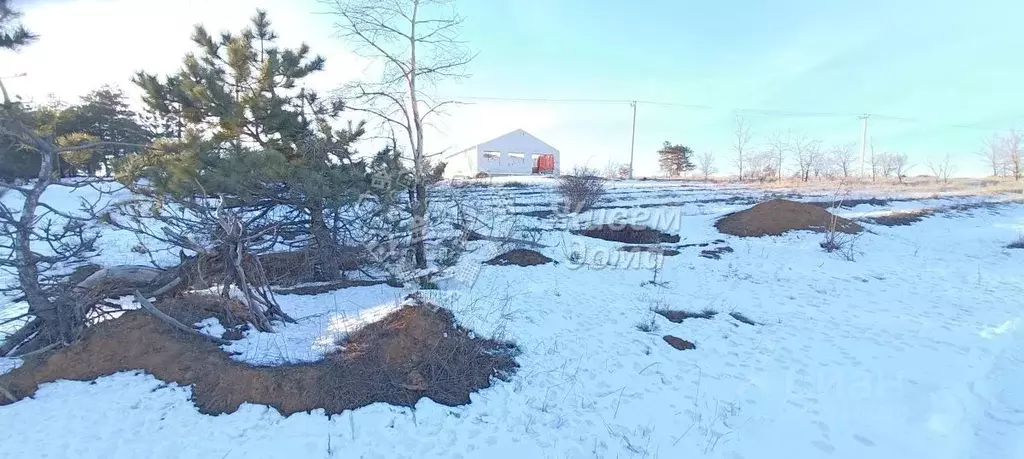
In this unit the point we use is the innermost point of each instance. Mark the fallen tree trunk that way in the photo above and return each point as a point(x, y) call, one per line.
point(118, 280)
point(19, 337)
point(148, 307)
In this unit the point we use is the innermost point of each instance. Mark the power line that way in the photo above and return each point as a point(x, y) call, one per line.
point(751, 111)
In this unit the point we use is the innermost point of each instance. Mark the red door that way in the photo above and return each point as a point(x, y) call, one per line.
point(545, 164)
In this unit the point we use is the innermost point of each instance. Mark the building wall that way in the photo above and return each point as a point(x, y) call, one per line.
point(510, 154)
point(508, 149)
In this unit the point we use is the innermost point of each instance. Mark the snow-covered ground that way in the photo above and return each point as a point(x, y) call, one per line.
point(913, 350)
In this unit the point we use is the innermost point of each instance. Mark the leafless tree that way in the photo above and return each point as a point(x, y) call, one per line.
point(844, 158)
point(1012, 151)
point(942, 168)
point(417, 43)
point(875, 162)
point(741, 133)
point(824, 167)
point(616, 171)
point(807, 152)
point(706, 163)
point(993, 155)
point(886, 164)
point(762, 166)
point(899, 163)
point(778, 145)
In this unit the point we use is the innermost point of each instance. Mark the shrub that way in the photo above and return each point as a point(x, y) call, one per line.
point(648, 325)
point(580, 189)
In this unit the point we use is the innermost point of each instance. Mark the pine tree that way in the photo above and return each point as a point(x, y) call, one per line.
point(13, 35)
point(242, 90)
point(238, 121)
point(104, 115)
point(675, 159)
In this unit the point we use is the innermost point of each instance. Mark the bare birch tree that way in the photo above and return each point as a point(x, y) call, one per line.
point(992, 153)
point(706, 163)
point(942, 168)
point(844, 157)
point(1012, 152)
point(417, 43)
point(900, 165)
point(807, 152)
point(762, 166)
point(778, 145)
point(741, 133)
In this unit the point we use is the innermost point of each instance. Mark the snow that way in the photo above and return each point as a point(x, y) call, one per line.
point(914, 349)
point(323, 320)
point(211, 326)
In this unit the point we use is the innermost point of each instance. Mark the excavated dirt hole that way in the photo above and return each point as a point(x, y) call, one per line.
point(412, 353)
point(678, 316)
point(649, 248)
point(628, 234)
point(324, 287)
point(775, 217)
point(716, 253)
point(901, 218)
point(519, 257)
point(739, 316)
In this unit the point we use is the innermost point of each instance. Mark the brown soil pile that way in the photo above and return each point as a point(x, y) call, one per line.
point(519, 257)
point(678, 343)
point(775, 217)
point(628, 234)
point(412, 353)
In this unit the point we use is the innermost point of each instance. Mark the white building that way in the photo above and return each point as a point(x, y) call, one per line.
point(515, 153)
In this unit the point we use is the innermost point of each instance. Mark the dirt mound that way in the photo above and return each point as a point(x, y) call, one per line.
point(628, 234)
point(775, 217)
point(412, 353)
point(678, 343)
point(519, 257)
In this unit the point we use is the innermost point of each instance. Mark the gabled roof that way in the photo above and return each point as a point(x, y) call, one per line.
point(518, 132)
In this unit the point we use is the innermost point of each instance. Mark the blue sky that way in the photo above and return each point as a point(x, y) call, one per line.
point(939, 64)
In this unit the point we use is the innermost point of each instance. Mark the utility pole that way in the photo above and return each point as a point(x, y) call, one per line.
point(863, 142)
point(632, 141)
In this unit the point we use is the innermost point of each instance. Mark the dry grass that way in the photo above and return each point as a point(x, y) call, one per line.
point(955, 186)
